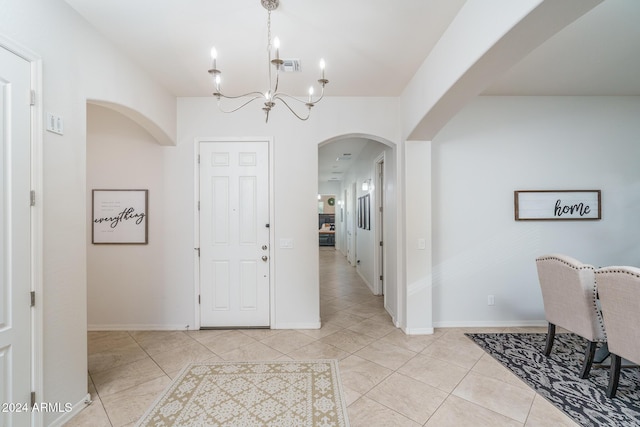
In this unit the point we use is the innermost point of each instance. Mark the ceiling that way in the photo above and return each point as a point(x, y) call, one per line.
point(599, 54)
point(335, 159)
point(362, 41)
point(366, 45)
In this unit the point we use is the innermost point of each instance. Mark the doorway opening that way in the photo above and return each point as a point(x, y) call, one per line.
point(359, 171)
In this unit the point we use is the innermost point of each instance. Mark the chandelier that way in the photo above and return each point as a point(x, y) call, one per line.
point(275, 66)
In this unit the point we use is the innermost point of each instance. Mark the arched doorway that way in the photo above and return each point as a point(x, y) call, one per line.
point(361, 171)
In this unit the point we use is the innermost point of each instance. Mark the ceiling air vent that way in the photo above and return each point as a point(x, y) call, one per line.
point(291, 66)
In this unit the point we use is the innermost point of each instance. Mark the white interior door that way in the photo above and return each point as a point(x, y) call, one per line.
point(15, 246)
point(234, 234)
point(379, 215)
point(351, 223)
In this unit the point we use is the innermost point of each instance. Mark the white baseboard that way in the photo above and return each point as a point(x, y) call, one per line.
point(408, 331)
point(137, 327)
point(491, 324)
point(315, 325)
point(75, 410)
point(419, 331)
point(364, 279)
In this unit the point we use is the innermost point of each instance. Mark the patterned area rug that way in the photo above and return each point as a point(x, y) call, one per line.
point(557, 377)
point(244, 394)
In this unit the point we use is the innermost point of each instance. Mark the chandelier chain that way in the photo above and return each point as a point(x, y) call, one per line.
point(269, 31)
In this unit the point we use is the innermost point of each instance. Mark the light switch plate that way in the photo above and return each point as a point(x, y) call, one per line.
point(286, 243)
point(55, 124)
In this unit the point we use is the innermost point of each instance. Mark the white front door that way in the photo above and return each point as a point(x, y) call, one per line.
point(234, 234)
point(15, 247)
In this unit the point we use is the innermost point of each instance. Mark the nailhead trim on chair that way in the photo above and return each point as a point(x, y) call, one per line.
point(594, 288)
point(598, 311)
point(615, 359)
point(600, 271)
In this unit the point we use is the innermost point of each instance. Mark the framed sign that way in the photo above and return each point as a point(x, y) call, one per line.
point(367, 212)
point(364, 212)
point(119, 217)
point(557, 205)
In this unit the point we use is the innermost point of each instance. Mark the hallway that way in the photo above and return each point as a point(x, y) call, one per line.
point(389, 378)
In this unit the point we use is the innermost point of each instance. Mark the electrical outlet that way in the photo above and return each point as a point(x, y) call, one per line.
point(491, 300)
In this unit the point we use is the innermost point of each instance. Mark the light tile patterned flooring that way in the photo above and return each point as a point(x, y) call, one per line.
point(390, 379)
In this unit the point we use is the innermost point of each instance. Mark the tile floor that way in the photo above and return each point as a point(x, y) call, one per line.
point(390, 379)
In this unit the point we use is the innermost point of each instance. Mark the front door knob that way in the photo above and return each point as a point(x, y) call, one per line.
point(264, 258)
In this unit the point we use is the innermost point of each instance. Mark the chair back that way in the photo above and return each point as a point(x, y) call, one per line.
point(569, 295)
point(619, 289)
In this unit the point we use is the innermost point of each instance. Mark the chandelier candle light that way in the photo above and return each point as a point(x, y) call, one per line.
point(272, 95)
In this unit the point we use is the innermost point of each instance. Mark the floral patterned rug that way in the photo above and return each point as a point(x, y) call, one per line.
point(278, 393)
point(557, 379)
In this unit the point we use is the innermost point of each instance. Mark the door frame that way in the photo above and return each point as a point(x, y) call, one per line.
point(196, 223)
point(379, 253)
point(37, 215)
point(352, 243)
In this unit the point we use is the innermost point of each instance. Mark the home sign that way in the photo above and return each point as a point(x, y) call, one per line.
point(557, 205)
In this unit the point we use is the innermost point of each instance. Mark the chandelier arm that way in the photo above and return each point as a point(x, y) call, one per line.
point(236, 109)
point(254, 94)
point(283, 95)
point(292, 111)
point(320, 97)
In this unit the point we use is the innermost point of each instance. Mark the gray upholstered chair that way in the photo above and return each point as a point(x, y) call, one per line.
point(569, 294)
point(619, 289)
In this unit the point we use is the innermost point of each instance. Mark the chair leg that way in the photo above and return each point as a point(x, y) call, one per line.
point(551, 333)
point(614, 375)
point(588, 359)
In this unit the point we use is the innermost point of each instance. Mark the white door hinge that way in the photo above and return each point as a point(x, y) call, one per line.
point(32, 97)
point(33, 198)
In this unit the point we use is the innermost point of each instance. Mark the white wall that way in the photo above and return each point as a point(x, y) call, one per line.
point(364, 169)
point(500, 144)
point(126, 284)
point(417, 295)
point(295, 281)
point(332, 187)
point(77, 64)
